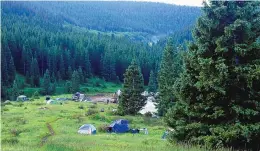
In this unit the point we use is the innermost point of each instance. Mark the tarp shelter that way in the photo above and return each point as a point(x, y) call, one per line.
point(119, 126)
point(21, 98)
point(87, 129)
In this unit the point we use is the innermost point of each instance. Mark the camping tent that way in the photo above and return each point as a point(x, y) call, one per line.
point(52, 102)
point(21, 98)
point(119, 126)
point(87, 129)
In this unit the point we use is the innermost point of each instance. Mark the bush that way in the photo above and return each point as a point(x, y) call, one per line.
point(15, 132)
point(10, 140)
point(102, 128)
point(36, 95)
point(5, 109)
point(91, 112)
point(148, 114)
point(38, 103)
point(81, 107)
point(93, 106)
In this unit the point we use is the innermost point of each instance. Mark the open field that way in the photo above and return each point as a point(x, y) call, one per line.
point(28, 126)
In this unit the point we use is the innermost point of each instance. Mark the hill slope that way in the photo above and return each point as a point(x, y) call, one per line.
point(155, 18)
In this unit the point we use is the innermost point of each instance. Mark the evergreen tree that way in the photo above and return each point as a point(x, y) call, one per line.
point(169, 71)
point(108, 67)
point(69, 74)
point(75, 82)
point(47, 83)
point(81, 75)
point(11, 69)
point(34, 73)
point(62, 68)
point(152, 82)
point(87, 65)
point(218, 92)
point(15, 91)
point(68, 87)
point(131, 100)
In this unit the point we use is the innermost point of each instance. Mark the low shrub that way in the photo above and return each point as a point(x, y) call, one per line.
point(38, 103)
point(81, 107)
point(93, 106)
point(148, 114)
point(91, 112)
point(102, 128)
point(15, 132)
point(10, 140)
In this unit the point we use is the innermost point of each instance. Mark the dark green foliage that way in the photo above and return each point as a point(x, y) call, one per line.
point(131, 100)
point(34, 73)
point(15, 92)
point(81, 75)
point(75, 82)
point(68, 87)
point(46, 83)
point(169, 72)
point(108, 67)
point(218, 92)
point(87, 65)
point(152, 87)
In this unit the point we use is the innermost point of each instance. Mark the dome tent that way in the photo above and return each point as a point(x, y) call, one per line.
point(119, 126)
point(87, 129)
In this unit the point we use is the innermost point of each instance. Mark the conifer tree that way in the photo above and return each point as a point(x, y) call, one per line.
point(34, 73)
point(46, 83)
point(69, 73)
point(15, 91)
point(81, 75)
point(218, 92)
point(87, 65)
point(152, 82)
point(62, 68)
point(108, 67)
point(75, 82)
point(11, 69)
point(169, 71)
point(131, 100)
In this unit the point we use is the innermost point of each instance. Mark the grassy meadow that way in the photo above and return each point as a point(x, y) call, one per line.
point(26, 127)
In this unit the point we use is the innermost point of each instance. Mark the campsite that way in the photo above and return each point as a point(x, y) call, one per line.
point(130, 75)
point(39, 126)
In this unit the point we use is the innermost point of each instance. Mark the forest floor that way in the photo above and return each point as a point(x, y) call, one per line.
point(35, 126)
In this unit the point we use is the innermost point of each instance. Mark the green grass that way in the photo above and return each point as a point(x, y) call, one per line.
point(93, 86)
point(24, 126)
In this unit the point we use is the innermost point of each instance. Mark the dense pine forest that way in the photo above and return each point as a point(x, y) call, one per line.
point(37, 36)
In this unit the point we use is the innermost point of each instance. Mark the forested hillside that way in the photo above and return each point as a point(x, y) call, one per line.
point(155, 18)
point(37, 36)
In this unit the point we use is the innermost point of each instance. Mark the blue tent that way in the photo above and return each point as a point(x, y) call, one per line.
point(119, 126)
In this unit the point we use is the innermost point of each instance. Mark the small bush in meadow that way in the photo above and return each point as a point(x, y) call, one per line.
point(148, 114)
point(15, 132)
point(38, 103)
point(81, 107)
point(5, 109)
point(93, 106)
point(10, 140)
point(91, 112)
point(102, 128)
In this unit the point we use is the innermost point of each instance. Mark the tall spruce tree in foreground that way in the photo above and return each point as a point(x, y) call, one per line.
point(131, 100)
point(46, 83)
point(219, 90)
point(75, 82)
point(169, 71)
point(152, 82)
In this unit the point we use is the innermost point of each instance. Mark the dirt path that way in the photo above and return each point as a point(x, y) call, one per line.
point(51, 132)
